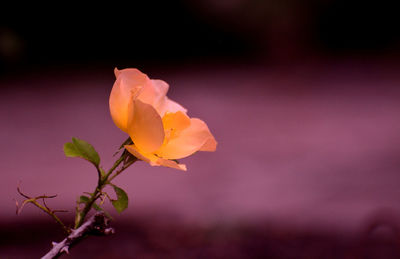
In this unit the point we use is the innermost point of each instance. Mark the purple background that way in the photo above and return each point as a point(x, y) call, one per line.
point(313, 145)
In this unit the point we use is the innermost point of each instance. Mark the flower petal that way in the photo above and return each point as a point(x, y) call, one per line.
point(176, 121)
point(160, 89)
point(210, 145)
point(129, 82)
point(157, 96)
point(171, 164)
point(147, 157)
point(170, 106)
point(190, 140)
point(154, 160)
point(154, 93)
point(145, 127)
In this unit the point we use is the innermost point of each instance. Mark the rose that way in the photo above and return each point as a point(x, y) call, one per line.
point(160, 129)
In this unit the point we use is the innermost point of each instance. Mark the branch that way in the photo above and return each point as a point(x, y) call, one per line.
point(43, 207)
point(127, 160)
point(98, 224)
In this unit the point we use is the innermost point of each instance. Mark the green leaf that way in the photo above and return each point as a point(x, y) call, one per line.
point(80, 148)
point(121, 203)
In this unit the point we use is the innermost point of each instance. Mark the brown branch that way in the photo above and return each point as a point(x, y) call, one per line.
point(98, 224)
point(43, 207)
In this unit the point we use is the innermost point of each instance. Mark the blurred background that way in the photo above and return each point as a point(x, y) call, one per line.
point(302, 97)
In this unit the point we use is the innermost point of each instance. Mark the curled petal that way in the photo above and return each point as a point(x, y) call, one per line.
point(160, 100)
point(194, 138)
point(154, 160)
point(129, 83)
point(154, 93)
point(160, 89)
point(131, 77)
point(145, 127)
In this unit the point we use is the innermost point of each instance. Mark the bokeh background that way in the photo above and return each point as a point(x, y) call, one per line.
point(302, 96)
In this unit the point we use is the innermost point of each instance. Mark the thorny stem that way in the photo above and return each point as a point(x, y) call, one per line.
point(81, 227)
point(102, 182)
point(118, 172)
point(98, 224)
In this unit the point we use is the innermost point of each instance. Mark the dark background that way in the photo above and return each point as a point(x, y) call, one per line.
point(153, 32)
point(302, 97)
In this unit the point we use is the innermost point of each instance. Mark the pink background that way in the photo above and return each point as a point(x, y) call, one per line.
point(312, 146)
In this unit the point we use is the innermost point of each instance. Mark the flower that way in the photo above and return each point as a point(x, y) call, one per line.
point(160, 129)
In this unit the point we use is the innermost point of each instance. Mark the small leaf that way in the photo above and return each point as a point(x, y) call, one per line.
point(80, 148)
point(121, 203)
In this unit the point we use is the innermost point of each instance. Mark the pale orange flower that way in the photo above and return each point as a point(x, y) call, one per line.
point(159, 127)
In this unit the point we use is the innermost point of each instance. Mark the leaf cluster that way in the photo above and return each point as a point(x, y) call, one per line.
point(80, 148)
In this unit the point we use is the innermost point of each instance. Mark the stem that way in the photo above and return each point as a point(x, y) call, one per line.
point(116, 164)
point(80, 216)
point(44, 207)
point(102, 182)
point(51, 213)
point(98, 224)
point(122, 169)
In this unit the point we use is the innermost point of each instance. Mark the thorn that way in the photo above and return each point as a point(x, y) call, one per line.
point(54, 243)
point(20, 192)
point(16, 204)
point(44, 203)
point(65, 249)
